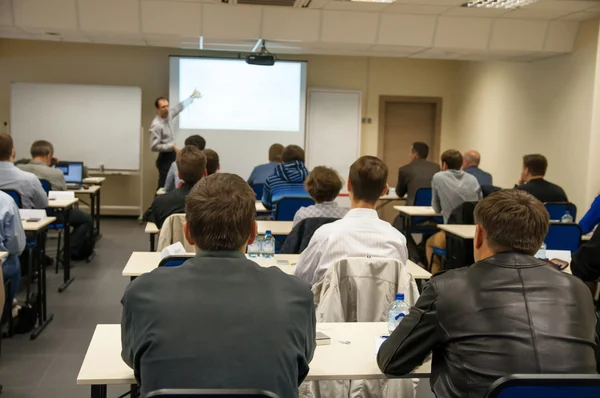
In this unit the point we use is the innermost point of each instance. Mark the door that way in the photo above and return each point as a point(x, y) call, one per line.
point(405, 122)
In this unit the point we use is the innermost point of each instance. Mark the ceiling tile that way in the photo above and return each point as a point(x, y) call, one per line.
point(228, 21)
point(356, 6)
point(318, 3)
point(342, 46)
point(475, 12)
point(434, 53)
point(409, 30)
point(459, 32)
point(397, 49)
point(279, 23)
point(415, 9)
point(173, 18)
point(349, 27)
point(561, 5)
point(124, 40)
point(561, 36)
point(518, 35)
point(538, 13)
point(59, 14)
point(6, 18)
point(109, 16)
point(581, 16)
point(448, 3)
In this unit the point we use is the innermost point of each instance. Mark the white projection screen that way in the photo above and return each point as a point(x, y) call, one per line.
point(243, 110)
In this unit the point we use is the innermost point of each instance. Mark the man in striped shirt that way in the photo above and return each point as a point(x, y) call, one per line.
point(287, 180)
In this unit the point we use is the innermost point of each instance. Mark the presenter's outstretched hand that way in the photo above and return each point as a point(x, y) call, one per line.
point(197, 94)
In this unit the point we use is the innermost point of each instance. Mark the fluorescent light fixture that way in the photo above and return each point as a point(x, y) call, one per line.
point(505, 4)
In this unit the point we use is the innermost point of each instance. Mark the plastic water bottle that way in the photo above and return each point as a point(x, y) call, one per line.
point(567, 218)
point(268, 245)
point(396, 312)
point(255, 249)
point(541, 254)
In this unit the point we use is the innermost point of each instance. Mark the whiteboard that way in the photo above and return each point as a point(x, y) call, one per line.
point(333, 128)
point(98, 125)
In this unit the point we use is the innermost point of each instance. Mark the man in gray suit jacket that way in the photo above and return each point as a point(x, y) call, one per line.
point(417, 174)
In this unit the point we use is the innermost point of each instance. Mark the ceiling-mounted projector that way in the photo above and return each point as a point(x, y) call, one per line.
point(263, 57)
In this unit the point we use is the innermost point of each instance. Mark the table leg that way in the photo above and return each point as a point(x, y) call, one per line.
point(66, 252)
point(43, 318)
point(152, 242)
point(99, 391)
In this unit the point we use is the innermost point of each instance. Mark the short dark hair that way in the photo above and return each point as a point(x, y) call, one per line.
point(220, 212)
point(513, 221)
point(323, 184)
point(212, 161)
point(536, 164)
point(453, 159)
point(6, 146)
point(196, 140)
point(156, 101)
point(275, 152)
point(368, 176)
point(421, 149)
point(292, 153)
point(41, 148)
point(191, 164)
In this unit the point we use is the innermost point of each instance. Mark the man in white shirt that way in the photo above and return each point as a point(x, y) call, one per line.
point(360, 233)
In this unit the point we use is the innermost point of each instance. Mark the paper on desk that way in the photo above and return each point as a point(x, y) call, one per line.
point(27, 214)
point(173, 250)
point(378, 342)
point(61, 195)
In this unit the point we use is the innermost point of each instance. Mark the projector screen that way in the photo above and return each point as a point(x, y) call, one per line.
point(243, 110)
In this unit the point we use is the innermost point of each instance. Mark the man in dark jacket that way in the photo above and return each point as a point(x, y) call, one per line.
point(219, 320)
point(508, 313)
point(417, 174)
point(532, 180)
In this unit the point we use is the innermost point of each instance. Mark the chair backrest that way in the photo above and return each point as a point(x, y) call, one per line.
point(463, 213)
point(15, 195)
point(172, 232)
point(546, 386)
point(300, 236)
point(46, 185)
point(423, 197)
point(287, 207)
point(258, 190)
point(563, 236)
point(558, 209)
point(225, 393)
point(173, 261)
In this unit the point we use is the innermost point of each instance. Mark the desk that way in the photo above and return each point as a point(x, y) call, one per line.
point(39, 228)
point(94, 180)
point(282, 228)
point(260, 208)
point(160, 191)
point(65, 206)
point(417, 219)
point(103, 366)
point(153, 230)
point(587, 237)
point(94, 193)
point(387, 199)
point(459, 245)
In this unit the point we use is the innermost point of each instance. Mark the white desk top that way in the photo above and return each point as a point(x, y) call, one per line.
point(103, 364)
point(3, 255)
point(141, 262)
point(260, 208)
point(92, 189)
point(94, 180)
point(151, 228)
point(62, 203)
point(37, 225)
point(276, 227)
point(460, 230)
point(161, 191)
point(587, 237)
point(419, 211)
point(388, 197)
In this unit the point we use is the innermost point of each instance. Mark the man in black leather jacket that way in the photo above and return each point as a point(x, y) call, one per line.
point(507, 313)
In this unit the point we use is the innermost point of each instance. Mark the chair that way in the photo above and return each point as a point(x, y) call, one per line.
point(563, 236)
point(15, 195)
point(55, 225)
point(258, 190)
point(546, 386)
point(423, 198)
point(441, 254)
point(46, 185)
point(173, 261)
point(172, 232)
point(558, 209)
point(286, 208)
point(225, 393)
point(300, 236)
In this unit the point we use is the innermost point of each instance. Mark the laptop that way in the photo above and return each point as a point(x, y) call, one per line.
point(73, 172)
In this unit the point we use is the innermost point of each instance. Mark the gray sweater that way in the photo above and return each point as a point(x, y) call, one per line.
point(451, 188)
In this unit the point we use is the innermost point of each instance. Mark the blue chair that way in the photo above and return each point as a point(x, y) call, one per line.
point(46, 185)
point(286, 208)
point(173, 261)
point(423, 198)
point(258, 190)
point(15, 195)
point(58, 226)
point(562, 236)
point(546, 386)
point(225, 393)
point(558, 209)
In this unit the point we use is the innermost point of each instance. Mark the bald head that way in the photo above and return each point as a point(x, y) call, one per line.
point(471, 158)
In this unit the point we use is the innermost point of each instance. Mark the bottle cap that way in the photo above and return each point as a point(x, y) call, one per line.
point(268, 232)
point(400, 296)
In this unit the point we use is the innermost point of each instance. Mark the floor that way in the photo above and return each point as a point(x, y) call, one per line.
point(48, 366)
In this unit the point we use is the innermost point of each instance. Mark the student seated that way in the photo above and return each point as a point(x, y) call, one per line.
point(12, 241)
point(260, 173)
point(173, 181)
point(592, 217)
point(212, 162)
point(450, 188)
point(219, 320)
point(360, 233)
point(509, 313)
point(471, 160)
point(82, 237)
point(532, 180)
point(323, 185)
point(417, 174)
point(287, 179)
point(26, 184)
point(191, 167)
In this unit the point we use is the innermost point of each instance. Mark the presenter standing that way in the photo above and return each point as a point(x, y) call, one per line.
point(162, 136)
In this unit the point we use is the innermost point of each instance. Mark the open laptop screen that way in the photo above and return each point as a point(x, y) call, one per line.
point(73, 171)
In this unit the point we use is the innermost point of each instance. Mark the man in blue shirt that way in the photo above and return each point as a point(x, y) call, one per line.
point(260, 173)
point(470, 165)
